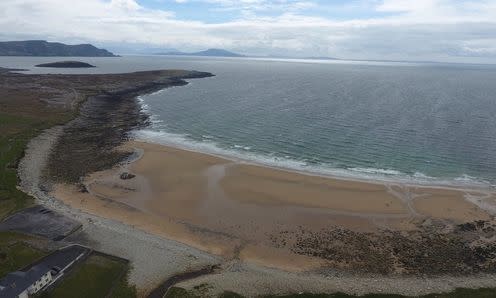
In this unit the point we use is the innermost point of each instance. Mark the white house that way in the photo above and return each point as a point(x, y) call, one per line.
point(45, 272)
point(21, 284)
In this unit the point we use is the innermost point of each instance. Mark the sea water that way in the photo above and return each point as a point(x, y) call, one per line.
point(420, 122)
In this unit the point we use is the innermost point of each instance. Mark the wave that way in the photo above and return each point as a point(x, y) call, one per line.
point(242, 153)
point(247, 148)
point(245, 154)
point(144, 106)
point(376, 171)
point(210, 147)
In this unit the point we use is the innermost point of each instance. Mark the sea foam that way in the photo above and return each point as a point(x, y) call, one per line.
point(243, 154)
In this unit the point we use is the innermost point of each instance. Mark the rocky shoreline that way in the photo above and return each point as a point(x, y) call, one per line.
point(88, 142)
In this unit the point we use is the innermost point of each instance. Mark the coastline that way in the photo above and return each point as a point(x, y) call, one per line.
point(484, 189)
point(113, 234)
point(152, 258)
point(260, 215)
point(367, 175)
point(156, 258)
point(104, 121)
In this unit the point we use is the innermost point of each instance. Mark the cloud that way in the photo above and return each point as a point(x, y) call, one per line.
point(421, 29)
point(263, 5)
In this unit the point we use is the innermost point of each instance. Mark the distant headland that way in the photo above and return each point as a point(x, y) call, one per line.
point(44, 48)
point(206, 53)
point(66, 64)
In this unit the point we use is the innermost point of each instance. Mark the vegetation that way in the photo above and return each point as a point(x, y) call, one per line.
point(122, 289)
point(12, 144)
point(98, 276)
point(30, 104)
point(458, 293)
point(15, 253)
point(16, 131)
point(179, 293)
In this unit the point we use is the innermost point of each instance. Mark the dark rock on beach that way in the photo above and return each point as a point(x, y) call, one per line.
point(127, 176)
point(458, 250)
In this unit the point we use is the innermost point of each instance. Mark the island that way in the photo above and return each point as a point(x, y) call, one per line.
point(66, 64)
point(44, 48)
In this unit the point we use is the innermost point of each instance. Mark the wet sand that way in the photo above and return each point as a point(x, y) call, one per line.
point(236, 210)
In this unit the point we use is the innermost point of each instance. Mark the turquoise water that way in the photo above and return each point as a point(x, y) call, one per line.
point(428, 123)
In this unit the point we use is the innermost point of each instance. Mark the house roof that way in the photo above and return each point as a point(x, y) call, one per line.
point(17, 282)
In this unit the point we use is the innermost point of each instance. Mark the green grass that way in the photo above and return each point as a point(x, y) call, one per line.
point(11, 199)
point(458, 293)
point(15, 254)
point(98, 276)
point(122, 289)
point(16, 131)
point(179, 293)
point(19, 122)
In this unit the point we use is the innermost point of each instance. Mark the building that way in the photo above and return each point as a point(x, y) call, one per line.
point(42, 274)
point(23, 283)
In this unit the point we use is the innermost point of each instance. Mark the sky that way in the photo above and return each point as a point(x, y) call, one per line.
point(427, 30)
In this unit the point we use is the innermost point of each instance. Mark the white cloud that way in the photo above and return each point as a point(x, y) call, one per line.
point(421, 29)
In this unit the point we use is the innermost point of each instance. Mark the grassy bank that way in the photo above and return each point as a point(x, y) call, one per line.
point(24, 114)
point(30, 104)
point(200, 292)
point(98, 276)
point(15, 253)
point(16, 131)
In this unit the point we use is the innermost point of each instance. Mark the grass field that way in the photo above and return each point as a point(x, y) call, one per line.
point(15, 254)
point(19, 122)
point(98, 276)
point(16, 131)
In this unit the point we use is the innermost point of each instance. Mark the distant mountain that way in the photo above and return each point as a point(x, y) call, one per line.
point(322, 58)
point(49, 49)
point(206, 53)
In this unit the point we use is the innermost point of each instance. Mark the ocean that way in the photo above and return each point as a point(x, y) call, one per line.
point(428, 123)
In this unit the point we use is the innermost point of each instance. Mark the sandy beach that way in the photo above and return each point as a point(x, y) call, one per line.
point(259, 214)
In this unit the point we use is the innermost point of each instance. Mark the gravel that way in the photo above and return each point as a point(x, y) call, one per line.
point(252, 281)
